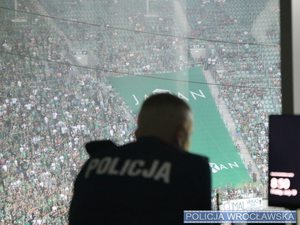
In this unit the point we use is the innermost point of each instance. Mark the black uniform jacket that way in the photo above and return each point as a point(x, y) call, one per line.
point(144, 182)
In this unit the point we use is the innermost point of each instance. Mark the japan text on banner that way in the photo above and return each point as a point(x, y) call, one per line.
point(239, 216)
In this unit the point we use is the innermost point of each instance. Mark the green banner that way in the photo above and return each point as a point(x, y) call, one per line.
point(210, 136)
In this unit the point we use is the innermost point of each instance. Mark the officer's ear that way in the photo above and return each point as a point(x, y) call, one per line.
point(181, 137)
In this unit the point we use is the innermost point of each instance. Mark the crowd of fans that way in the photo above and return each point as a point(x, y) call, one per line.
point(246, 191)
point(48, 110)
point(245, 64)
point(248, 74)
point(141, 51)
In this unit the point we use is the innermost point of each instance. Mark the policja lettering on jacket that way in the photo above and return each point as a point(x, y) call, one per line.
point(131, 168)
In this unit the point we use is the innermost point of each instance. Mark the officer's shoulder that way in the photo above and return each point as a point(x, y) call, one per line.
point(100, 146)
point(196, 157)
point(154, 146)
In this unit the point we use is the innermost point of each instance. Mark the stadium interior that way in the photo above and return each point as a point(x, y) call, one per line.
point(77, 70)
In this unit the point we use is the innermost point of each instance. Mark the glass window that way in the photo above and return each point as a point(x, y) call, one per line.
point(77, 70)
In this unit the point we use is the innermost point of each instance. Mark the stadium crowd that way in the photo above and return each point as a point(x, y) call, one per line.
point(48, 110)
point(250, 77)
point(246, 65)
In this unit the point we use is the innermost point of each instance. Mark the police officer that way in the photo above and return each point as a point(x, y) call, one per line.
point(150, 181)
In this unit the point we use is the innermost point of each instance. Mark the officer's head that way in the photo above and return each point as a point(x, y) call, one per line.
point(167, 117)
